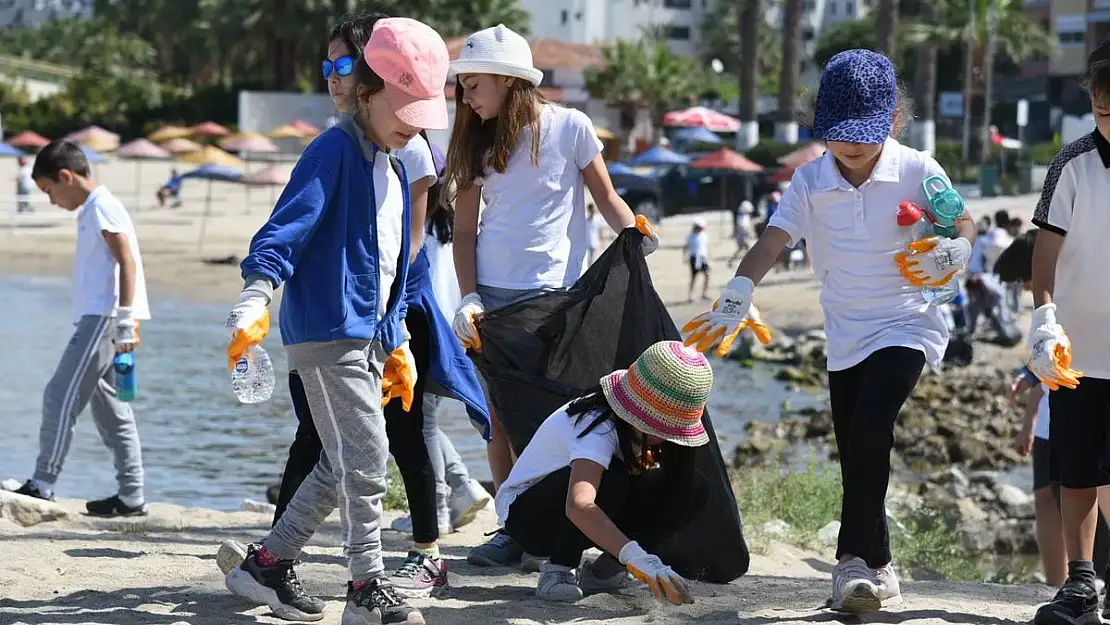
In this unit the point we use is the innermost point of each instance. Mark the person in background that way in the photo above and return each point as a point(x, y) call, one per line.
point(696, 249)
point(881, 331)
point(745, 230)
point(172, 189)
point(24, 184)
point(530, 161)
point(1014, 289)
point(596, 224)
point(109, 301)
point(986, 293)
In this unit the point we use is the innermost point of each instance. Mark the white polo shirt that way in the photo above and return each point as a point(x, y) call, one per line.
point(95, 288)
point(852, 236)
point(1074, 204)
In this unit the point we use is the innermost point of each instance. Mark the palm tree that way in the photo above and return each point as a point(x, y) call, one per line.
point(886, 21)
point(925, 86)
point(750, 25)
point(786, 126)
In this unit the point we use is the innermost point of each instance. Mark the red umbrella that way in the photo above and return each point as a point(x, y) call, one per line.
point(701, 116)
point(210, 129)
point(29, 139)
point(802, 155)
point(725, 158)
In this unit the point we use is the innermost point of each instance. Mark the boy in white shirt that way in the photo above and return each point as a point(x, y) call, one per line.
point(109, 300)
point(697, 250)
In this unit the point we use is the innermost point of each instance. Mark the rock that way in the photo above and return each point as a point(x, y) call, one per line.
point(778, 528)
point(10, 484)
point(28, 511)
point(250, 505)
point(970, 511)
point(829, 534)
point(1017, 503)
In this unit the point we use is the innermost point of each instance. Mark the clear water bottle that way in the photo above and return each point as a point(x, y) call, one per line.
point(916, 225)
point(252, 378)
point(127, 383)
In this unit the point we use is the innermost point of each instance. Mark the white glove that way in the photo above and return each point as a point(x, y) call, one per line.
point(660, 578)
point(731, 313)
point(933, 261)
point(248, 322)
point(463, 323)
point(1050, 358)
point(127, 329)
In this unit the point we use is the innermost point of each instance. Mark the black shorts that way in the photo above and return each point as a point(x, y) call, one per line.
point(697, 267)
point(1080, 433)
point(1046, 465)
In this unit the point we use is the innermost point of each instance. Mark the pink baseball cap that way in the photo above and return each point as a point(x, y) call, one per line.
point(412, 59)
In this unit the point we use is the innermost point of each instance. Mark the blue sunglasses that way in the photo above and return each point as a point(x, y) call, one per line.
point(343, 66)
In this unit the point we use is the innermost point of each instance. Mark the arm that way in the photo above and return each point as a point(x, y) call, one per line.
point(1053, 217)
point(609, 204)
point(466, 238)
point(1032, 402)
point(121, 251)
point(1046, 251)
point(759, 260)
point(965, 228)
point(583, 511)
point(418, 195)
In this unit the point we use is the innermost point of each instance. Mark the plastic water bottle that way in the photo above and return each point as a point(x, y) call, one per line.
point(127, 383)
point(946, 205)
point(916, 225)
point(252, 378)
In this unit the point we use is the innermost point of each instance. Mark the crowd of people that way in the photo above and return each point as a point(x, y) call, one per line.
point(388, 265)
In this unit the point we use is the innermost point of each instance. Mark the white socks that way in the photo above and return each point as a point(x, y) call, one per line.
point(45, 488)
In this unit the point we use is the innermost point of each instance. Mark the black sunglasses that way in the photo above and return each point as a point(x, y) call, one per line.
point(343, 66)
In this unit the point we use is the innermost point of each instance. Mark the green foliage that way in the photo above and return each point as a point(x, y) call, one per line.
point(395, 497)
point(721, 39)
point(644, 74)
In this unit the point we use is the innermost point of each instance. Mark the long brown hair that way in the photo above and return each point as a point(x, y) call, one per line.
point(478, 145)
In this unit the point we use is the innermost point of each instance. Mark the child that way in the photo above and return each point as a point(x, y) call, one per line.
point(339, 237)
point(528, 159)
point(109, 301)
point(880, 330)
point(1069, 292)
point(745, 230)
point(613, 469)
point(697, 252)
point(24, 182)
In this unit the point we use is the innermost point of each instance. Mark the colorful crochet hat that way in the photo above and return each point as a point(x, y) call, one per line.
point(663, 393)
point(856, 99)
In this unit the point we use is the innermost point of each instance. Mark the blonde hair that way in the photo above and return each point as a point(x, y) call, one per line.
point(478, 145)
point(903, 111)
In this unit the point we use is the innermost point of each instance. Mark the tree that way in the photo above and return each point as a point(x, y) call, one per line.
point(723, 34)
point(886, 22)
point(925, 85)
point(748, 22)
point(786, 126)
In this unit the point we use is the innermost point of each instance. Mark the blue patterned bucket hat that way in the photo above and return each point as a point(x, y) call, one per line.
point(856, 99)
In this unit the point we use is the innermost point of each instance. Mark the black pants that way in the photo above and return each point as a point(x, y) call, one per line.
point(405, 431)
point(637, 505)
point(865, 402)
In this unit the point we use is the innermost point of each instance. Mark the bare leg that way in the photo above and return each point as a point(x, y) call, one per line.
point(499, 452)
point(1077, 507)
point(1050, 537)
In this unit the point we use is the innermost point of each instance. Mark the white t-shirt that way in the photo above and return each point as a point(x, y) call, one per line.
point(993, 243)
point(533, 231)
point(1074, 204)
point(554, 446)
point(852, 236)
point(95, 288)
point(1040, 428)
point(390, 210)
point(417, 158)
point(26, 183)
point(697, 247)
point(597, 225)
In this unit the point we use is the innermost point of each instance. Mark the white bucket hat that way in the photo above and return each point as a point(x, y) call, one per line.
point(497, 50)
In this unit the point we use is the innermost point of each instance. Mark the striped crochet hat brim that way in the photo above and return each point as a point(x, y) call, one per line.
point(663, 393)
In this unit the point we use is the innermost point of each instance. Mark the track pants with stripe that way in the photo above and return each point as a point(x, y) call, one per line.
point(343, 384)
point(85, 377)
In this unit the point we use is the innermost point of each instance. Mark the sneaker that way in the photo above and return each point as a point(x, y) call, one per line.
point(558, 584)
point(30, 489)
point(231, 554)
point(403, 524)
point(855, 590)
point(376, 602)
point(113, 507)
point(605, 574)
point(498, 551)
point(531, 564)
point(419, 576)
point(467, 502)
point(275, 586)
point(1076, 603)
point(890, 591)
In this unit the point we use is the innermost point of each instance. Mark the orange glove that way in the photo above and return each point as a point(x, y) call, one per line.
point(731, 313)
point(248, 322)
point(1051, 351)
point(651, 235)
point(399, 377)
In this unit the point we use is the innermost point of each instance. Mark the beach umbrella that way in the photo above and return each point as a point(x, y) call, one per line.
point(140, 150)
point(796, 159)
point(603, 133)
point(658, 155)
point(95, 158)
point(166, 133)
point(620, 169)
point(29, 139)
point(696, 134)
point(288, 131)
point(181, 145)
point(249, 142)
point(308, 129)
point(726, 159)
point(210, 155)
point(95, 138)
point(211, 172)
point(273, 176)
point(702, 116)
point(6, 149)
point(210, 129)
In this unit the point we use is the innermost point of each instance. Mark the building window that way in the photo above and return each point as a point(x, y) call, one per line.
point(677, 4)
point(850, 8)
point(564, 17)
point(832, 9)
point(1071, 39)
point(681, 33)
point(548, 79)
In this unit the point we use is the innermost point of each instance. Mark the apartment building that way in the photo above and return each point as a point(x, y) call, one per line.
point(1079, 25)
point(606, 21)
point(30, 13)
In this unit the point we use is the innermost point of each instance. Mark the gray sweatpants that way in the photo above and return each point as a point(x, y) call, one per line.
point(451, 474)
point(343, 384)
point(85, 377)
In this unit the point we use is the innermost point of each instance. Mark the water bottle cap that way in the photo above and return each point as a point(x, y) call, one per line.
point(908, 214)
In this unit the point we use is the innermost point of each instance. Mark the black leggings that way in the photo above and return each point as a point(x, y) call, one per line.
point(865, 402)
point(637, 504)
point(405, 431)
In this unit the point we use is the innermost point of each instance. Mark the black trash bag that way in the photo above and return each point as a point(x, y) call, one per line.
point(541, 353)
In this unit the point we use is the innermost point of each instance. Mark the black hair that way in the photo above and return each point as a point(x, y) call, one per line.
point(676, 461)
point(1015, 264)
point(1096, 78)
point(59, 155)
point(441, 214)
point(1001, 218)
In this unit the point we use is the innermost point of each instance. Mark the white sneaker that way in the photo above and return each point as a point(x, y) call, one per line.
point(558, 584)
point(854, 588)
point(890, 591)
point(230, 555)
point(403, 524)
point(467, 502)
